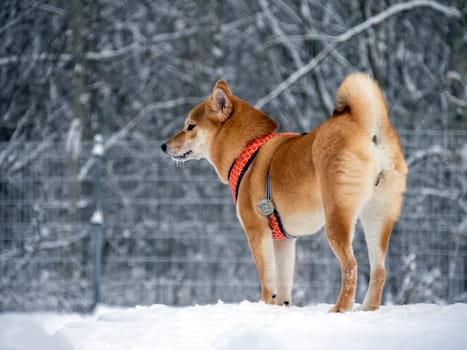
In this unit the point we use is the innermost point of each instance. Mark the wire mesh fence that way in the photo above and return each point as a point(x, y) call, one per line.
point(170, 234)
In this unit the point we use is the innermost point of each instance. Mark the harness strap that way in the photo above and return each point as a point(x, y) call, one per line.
point(243, 162)
point(237, 171)
point(275, 223)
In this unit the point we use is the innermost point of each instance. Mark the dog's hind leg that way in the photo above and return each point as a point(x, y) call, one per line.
point(377, 233)
point(344, 195)
point(339, 231)
point(378, 218)
point(284, 251)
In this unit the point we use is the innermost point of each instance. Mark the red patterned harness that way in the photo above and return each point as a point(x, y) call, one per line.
point(239, 168)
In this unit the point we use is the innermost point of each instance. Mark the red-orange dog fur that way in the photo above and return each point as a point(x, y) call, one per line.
point(349, 167)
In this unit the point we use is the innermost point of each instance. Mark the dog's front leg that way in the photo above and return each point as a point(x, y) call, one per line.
point(262, 249)
point(284, 252)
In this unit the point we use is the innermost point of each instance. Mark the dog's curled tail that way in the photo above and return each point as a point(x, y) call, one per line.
point(361, 97)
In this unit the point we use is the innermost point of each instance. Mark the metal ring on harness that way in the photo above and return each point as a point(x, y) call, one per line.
point(266, 207)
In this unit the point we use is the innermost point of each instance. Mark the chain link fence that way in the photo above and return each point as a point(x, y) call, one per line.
point(170, 234)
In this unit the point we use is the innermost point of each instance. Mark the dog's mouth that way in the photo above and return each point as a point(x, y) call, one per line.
point(182, 157)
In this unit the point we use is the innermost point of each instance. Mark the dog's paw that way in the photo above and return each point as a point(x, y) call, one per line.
point(281, 301)
point(364, 307)
point(269, 298)
point(340, 309)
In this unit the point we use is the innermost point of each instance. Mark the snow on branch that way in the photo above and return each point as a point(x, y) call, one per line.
point(116, 53)
point(90, 56)
point(110, 54)
point(349, 34)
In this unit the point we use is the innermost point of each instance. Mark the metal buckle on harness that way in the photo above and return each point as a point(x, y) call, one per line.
point(266, 207)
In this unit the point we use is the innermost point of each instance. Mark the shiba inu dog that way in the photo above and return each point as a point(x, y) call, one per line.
point(288, 185)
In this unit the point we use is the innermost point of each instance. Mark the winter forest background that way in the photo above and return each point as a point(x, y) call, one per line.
point(131, 70)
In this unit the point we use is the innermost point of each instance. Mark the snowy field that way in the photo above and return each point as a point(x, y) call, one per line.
point(241, 326)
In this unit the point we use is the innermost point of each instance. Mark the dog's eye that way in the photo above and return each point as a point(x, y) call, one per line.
point(191, 127)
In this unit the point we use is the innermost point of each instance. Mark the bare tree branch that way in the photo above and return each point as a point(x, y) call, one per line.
point(435, 150)
point(15, 20)
point(349, 34)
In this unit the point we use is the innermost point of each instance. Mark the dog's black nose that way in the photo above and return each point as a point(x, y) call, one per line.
point(164, 147)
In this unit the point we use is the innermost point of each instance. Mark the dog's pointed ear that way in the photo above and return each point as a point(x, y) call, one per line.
point(221, 100)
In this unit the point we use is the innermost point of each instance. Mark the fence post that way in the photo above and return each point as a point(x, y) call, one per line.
point(97, 220)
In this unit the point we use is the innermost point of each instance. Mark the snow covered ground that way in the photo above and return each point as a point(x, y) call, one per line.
point(241, 326)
